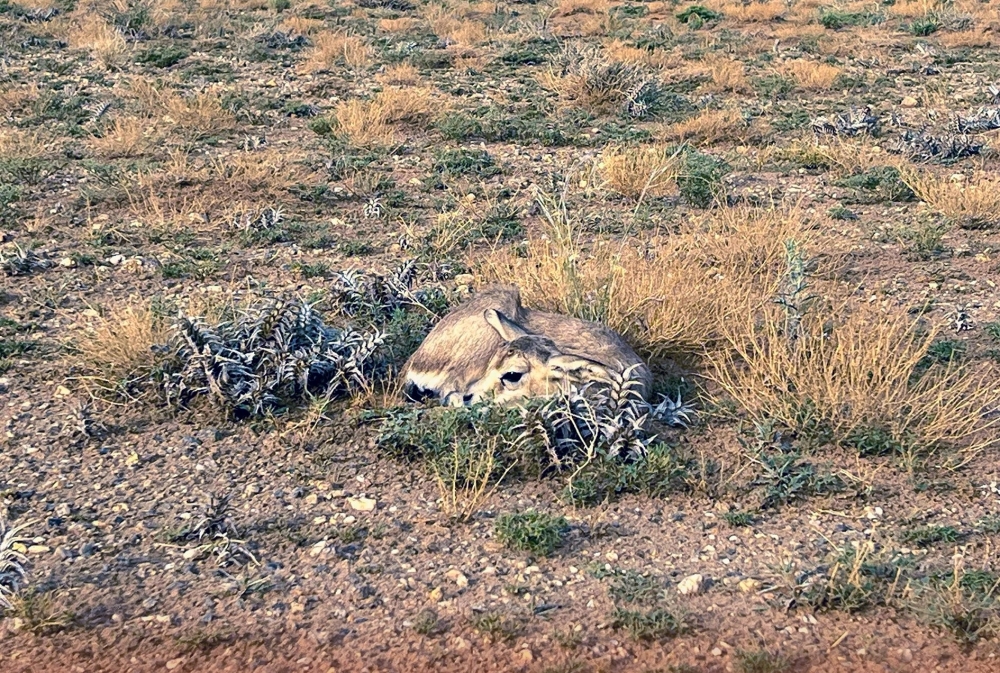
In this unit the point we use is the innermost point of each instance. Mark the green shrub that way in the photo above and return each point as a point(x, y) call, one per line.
point(532, 531)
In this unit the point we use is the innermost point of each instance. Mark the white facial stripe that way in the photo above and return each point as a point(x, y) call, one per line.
point(433, 381)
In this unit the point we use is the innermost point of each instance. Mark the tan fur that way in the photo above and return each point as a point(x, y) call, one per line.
point(493, 347)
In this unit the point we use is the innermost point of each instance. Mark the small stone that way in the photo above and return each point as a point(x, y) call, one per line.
point(362, 504)
point(90, 313)
point(691, 585)
point(39, 549)
point(464, 279)
point(251, 490)
point(174, 663)
point(748, 585)
point(62, 391)
point(461, 644)
point(611, 556)
point(115, 260)
point(458, 578)
point(909, 101)
point(716, 652)
point(906, 654)
point(192, 554)
point(435, 595)
point(318, 548)
point(67, 262)
point(312, 499)
point(525, 656)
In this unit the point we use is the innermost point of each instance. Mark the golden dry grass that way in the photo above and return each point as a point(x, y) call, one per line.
point(850, 370)
point(115, 351)
point(401, 74)
point(972, 202)
point(334, 49)
point(193, 117)
point(810, 75)
point(16, 144)
point(638, 172)
point(105, 44)
point(753, 12)
point(727, 75)
point(125, 136)
point(671, 296)
point(370, 123)
point(709, 127)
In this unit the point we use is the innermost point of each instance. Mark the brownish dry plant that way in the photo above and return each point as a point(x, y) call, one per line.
point(332, 50)
point(972, 202)
point(849, 370)
point(640, 172)
point(370, 123)
point(672, 296)
point(115, 352)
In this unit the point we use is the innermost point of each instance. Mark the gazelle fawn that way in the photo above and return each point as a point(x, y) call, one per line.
point(492, 347)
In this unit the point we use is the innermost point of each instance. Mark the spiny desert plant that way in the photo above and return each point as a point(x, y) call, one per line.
point(12, 562)
point(585, 77)
point(215, 534)
point(266, 359)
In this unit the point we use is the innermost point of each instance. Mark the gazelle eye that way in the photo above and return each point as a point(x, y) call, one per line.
point(511, 379)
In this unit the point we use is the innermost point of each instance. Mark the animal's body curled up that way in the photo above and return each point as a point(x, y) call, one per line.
point(492, 347)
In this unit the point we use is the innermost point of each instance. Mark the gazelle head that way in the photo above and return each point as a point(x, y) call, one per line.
point(527, 365)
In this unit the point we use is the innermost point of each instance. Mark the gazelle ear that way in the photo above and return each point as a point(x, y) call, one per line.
point(506, 328)
point(578, 368)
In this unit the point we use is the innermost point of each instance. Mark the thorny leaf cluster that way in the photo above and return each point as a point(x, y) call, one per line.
point(609, 420)
point(17, 261)
point(216, 535)
point(257, 220)
point(852, 123)
point(612, 82)
point(376, 296)
point(266, 359)
point(984, 119)
point(12, 562)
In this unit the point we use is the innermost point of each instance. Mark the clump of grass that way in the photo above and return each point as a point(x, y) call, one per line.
point(640, 172)
point(811, 75)
point(739, 518)
point(761, 661)
point(370, 123)
point(671, 300)
point(700, 179)
point(334, 49)
point(711, 126)
point(926, 536)
point(972, 203)
point(532, 531)
point(877, 358)
point(465, 162)
point(102, 40)
point(117, 352)
point(656, 624)
point(631, 587)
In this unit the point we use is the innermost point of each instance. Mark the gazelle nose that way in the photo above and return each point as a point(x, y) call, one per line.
point(467, 399)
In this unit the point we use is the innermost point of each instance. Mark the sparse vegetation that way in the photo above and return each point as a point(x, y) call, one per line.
point(226, 224)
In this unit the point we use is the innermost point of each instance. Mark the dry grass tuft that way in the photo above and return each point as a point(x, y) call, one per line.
point(101, 39)
point(752, 12)
point(331, 50)
point(669, 297)
point(370, 123)
point(116, 350)
point(401, 74)
point(194, 117)
point(709, 127)
point(126, 136)
point(727, 75)
point(811, 75)
point(852, 371)
point(638, 172)
point(971, 203)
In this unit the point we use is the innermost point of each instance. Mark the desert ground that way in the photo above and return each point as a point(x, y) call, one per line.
point(225, 225)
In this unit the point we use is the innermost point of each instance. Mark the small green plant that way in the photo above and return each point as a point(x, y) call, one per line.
point(874, 441)
point(924, 26)
point(739, 518)
point(924, 240)
point(774, 86)
point(532, 531)
point(657, 624)
point(465, 162)
point(162, 56)
point(926, 536)
point(628, 586)
point(877, 185)
point(989, 524)
point(993, 330)
point(761, 661)
point(700, 180)
point(497, 627)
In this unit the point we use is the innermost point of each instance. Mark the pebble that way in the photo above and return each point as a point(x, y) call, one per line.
point(716, 652)
point(39, 549)
point(458, 578)
point(748, 585)
point(909, 101)
point(174, 663)
point(691, 585)
point(525, 656)
point(362, 504)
